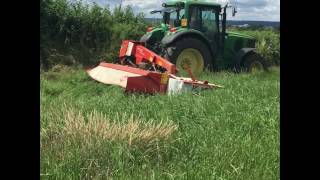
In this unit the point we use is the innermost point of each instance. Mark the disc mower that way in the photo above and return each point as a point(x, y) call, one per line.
point(143, 71)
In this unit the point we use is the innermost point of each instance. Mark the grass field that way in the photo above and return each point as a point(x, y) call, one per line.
point(94, 131)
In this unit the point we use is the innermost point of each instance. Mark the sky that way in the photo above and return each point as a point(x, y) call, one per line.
point(254, 10)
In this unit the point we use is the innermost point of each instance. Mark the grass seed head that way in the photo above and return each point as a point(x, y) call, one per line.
point(98, 127)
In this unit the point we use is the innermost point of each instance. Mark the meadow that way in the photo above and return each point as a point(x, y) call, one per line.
point(95, 131)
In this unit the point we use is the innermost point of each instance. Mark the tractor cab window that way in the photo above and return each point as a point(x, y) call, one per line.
point(206, 20)
point(181, 14)
point(195, 21)
point(173, 17)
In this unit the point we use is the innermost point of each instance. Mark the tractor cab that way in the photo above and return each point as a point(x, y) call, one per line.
point(194, 32)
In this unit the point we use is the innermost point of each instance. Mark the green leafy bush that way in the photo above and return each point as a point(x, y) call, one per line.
point(76, 33)
point(268, 43)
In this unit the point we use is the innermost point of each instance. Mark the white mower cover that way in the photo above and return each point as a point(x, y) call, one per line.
point(176, 86)
point(179, 85)
point(110, 76)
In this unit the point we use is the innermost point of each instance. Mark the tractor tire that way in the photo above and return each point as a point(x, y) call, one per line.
point(254, 62)
point(190, 51)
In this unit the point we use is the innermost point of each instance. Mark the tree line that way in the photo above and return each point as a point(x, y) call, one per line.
point(75, 33)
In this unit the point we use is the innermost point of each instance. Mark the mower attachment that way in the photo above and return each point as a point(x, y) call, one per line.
point(143, 81)
point(136, 50)
point(134, 79)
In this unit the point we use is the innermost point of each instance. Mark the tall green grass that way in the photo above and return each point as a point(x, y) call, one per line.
point(229, 133)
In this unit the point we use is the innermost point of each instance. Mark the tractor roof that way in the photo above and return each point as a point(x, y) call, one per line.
point(203, 2)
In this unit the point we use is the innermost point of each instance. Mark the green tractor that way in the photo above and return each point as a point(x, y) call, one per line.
point(193, 34)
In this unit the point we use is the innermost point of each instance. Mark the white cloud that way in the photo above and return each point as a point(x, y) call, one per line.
point(261, 10)
point(144, 5)
point(264, 10)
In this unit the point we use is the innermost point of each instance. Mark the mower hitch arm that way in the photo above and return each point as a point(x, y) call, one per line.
point(141, 54)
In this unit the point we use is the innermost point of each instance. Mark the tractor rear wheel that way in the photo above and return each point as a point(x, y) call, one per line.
point(254, 62)
point(189, 52)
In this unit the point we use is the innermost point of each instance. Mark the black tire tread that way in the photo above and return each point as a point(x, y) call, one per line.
point(252, 57)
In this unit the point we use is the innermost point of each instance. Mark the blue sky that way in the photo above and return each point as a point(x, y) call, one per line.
point(260, 10)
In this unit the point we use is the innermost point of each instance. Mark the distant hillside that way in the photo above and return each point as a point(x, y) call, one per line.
point(232, 22)
point(253, 23)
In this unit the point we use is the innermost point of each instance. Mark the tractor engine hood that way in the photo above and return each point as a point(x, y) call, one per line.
point(235, 34)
